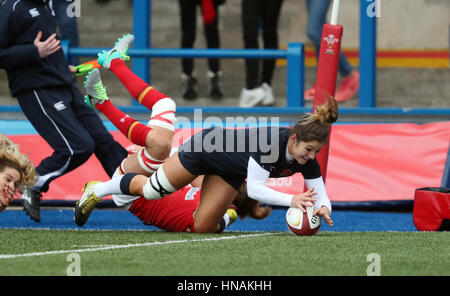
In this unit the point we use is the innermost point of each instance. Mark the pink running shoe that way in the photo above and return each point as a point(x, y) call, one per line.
point(348, 88)
point(310, 93)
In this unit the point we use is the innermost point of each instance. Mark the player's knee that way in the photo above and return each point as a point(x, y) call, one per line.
point(83, 151)
point(135, 185)
point(163, 114)
point(201, 227)
point(149, 161)
point(157, 186)
point(85, 146)
point(158, 146)
point(82, 157)
point(102, 140)
point(205, 224)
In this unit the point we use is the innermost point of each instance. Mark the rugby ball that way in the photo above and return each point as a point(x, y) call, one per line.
point(300, 223)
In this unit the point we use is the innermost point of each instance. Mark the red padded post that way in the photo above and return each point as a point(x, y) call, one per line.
point(431, 208)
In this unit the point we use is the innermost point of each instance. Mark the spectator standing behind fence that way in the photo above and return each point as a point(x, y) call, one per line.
point(258, 88)
point(317, 11)
point(40, 78)
point(188, 16)
point(67, 22)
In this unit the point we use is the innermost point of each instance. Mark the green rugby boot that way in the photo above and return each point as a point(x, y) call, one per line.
point(86, 204)
point(119, 51)
point(233, 215)
point(95, 91)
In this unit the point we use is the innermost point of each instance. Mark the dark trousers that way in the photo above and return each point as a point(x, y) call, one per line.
point(253, 12)
point(188, 15)
point(72, 129)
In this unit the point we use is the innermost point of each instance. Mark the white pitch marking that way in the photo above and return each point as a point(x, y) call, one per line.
point(113, 247)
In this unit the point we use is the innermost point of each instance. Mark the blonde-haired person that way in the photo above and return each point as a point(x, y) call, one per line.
point(227, 158)
point(16, 170)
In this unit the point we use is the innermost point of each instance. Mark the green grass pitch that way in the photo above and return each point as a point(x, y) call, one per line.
point(48, 253)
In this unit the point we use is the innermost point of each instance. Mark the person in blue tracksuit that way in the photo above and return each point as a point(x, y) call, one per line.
point(40, 79)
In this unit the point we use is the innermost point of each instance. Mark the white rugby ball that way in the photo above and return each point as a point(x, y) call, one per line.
point(300, 223)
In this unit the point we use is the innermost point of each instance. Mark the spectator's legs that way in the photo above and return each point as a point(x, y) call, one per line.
point(251, 11)
point(270, 14)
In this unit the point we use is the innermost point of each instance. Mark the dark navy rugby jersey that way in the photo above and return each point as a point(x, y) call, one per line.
point(226, 152)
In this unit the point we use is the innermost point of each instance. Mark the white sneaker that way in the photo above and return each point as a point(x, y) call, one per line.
point(251, 97)
point(269, 100)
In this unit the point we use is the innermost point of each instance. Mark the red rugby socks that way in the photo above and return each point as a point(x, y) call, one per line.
point(138, 88)
point(135, 131)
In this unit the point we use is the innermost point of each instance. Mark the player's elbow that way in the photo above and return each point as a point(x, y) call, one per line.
point(253, 190)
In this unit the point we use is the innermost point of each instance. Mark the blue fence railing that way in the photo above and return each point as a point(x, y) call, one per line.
point(368, 22)
point(294, 54)
point(367, 57)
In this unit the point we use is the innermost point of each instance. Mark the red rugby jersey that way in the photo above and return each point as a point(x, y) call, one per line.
point(172, 213)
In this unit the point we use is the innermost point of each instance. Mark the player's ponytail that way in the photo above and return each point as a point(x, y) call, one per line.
point(316, 126)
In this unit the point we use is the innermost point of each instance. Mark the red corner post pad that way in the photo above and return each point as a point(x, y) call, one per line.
point(432, 209)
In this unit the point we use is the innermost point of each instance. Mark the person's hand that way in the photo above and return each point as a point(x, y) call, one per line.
point(301, 200)
point(72, 69)
point(47, 47)
point(6, 197)
point(324, 211)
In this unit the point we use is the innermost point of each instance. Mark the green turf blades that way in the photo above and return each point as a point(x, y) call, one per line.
point(227, 254)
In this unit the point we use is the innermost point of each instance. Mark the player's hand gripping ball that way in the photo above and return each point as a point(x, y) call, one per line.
point(300, 223)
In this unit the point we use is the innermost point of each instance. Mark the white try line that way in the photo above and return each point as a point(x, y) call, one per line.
point(113, 247)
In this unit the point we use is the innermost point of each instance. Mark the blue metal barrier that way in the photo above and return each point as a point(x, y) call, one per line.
point(294, 56)
point(142, 33)
point(367, 56)
point(367, 68)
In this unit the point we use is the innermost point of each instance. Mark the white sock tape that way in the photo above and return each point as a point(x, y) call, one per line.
point(148, 163)
point(163, 114)
point(157, 186)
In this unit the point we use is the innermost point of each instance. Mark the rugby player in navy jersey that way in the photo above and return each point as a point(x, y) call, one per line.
point(228, 158)
point(153, 145)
